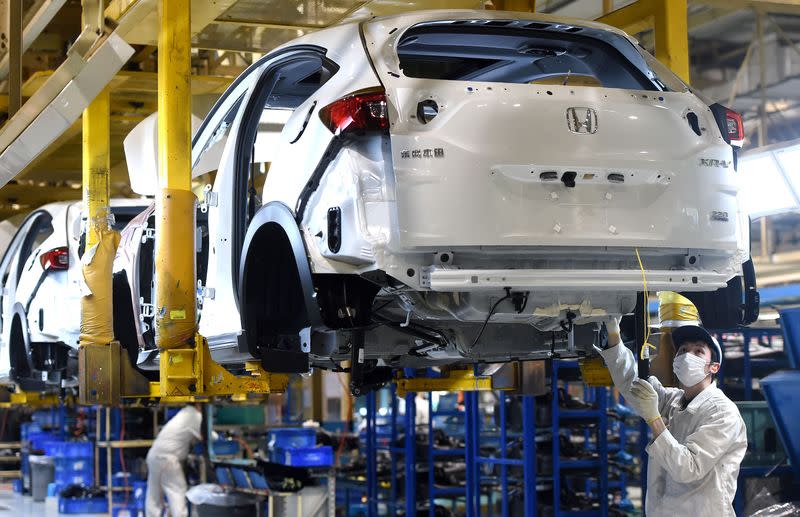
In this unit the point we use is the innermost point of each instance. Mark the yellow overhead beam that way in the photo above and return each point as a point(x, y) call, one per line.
point(633, 19)
point(668, 19)
point(175, 205)
point(145, 14)
point(132, 82)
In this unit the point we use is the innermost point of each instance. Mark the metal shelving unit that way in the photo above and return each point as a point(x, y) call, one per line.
point(600, 464)
point(109, 445)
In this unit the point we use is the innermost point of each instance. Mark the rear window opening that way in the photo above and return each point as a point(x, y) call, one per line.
point(519, 54)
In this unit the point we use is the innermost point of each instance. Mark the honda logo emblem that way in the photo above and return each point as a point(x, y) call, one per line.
point(582, 120)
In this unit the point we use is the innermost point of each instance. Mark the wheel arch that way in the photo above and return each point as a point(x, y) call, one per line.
point(273, 239)
point(19, 342)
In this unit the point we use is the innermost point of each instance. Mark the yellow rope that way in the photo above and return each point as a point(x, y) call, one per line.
point(646, 309)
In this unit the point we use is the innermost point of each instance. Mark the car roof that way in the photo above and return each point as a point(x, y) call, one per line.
point(405, 20)
point(413, 18)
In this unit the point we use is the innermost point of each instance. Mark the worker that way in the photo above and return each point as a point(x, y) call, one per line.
point(164, 462)
point(699, 437)
point(421, 407)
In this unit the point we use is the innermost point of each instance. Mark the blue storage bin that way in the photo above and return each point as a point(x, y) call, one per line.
point(783, 397)
point(75, 478)
point(36, 440)
point(286, 437)
point(68, 465)
point(53, 489)
point(93, 505)
point(304, 456)
point(226, 447)
point(74, 471)
point(221, 448)
point(240, 479)
point(128, 480)
point(29, 427)
point(124, 479)
point(139, 494)
point(16, 486)
point(45, 418)
point(61, 449)
point(125, 511)
point(790, 324)
point(224, 476)
point(258, 481)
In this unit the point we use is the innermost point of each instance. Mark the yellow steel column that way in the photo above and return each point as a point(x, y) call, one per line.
point(175, 206)
point(96, 166)
point(672, 35)
point(97, 325)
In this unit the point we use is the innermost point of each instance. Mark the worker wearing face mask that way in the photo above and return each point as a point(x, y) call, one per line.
point(699, 437)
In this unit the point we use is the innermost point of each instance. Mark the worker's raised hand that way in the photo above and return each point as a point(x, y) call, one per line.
point(643, 398)
point(612, 326)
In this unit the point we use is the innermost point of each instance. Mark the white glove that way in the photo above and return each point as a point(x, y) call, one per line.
point(612, 326)
point(644, 400)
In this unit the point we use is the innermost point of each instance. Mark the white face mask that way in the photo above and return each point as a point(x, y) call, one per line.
point(690, 369)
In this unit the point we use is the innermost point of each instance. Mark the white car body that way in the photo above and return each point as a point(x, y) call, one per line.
point(445, 218)
point(41, 306)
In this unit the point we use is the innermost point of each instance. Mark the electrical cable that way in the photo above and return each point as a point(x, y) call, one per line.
point(646, 310)
point(489, 316)
point(245, 446)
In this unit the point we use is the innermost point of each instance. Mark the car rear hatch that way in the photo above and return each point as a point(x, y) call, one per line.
point(537, 133)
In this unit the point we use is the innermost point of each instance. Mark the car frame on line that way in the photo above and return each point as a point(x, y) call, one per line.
point(443, 187)
point(40, 295)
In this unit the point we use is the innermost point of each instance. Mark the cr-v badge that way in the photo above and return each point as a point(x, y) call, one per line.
point(582, 120)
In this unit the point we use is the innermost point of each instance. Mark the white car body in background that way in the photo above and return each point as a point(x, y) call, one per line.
point(476, 217)
point(40, 298)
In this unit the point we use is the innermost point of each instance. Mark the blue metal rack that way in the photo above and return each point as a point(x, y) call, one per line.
point(435, 454)
point(600, 464)
point(765, 337)
point(372, 456)
point(407, 451)
point(474, 460)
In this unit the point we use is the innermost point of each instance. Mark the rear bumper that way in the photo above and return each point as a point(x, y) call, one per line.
point(447, 279)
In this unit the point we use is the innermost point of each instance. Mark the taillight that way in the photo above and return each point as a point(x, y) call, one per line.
point(359, 111)
point(735, 127)
point(57, 258)
point(730, 124)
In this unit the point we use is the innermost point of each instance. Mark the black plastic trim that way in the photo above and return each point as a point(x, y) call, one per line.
point(752, 299)
point(278, 213)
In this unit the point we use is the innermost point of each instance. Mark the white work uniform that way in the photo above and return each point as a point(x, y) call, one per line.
point(694, 464)
point(164, 470)
point(421, 415)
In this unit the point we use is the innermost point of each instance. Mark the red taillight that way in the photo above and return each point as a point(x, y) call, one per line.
point(359, 111)
point(57, 258)
point(735, 127)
